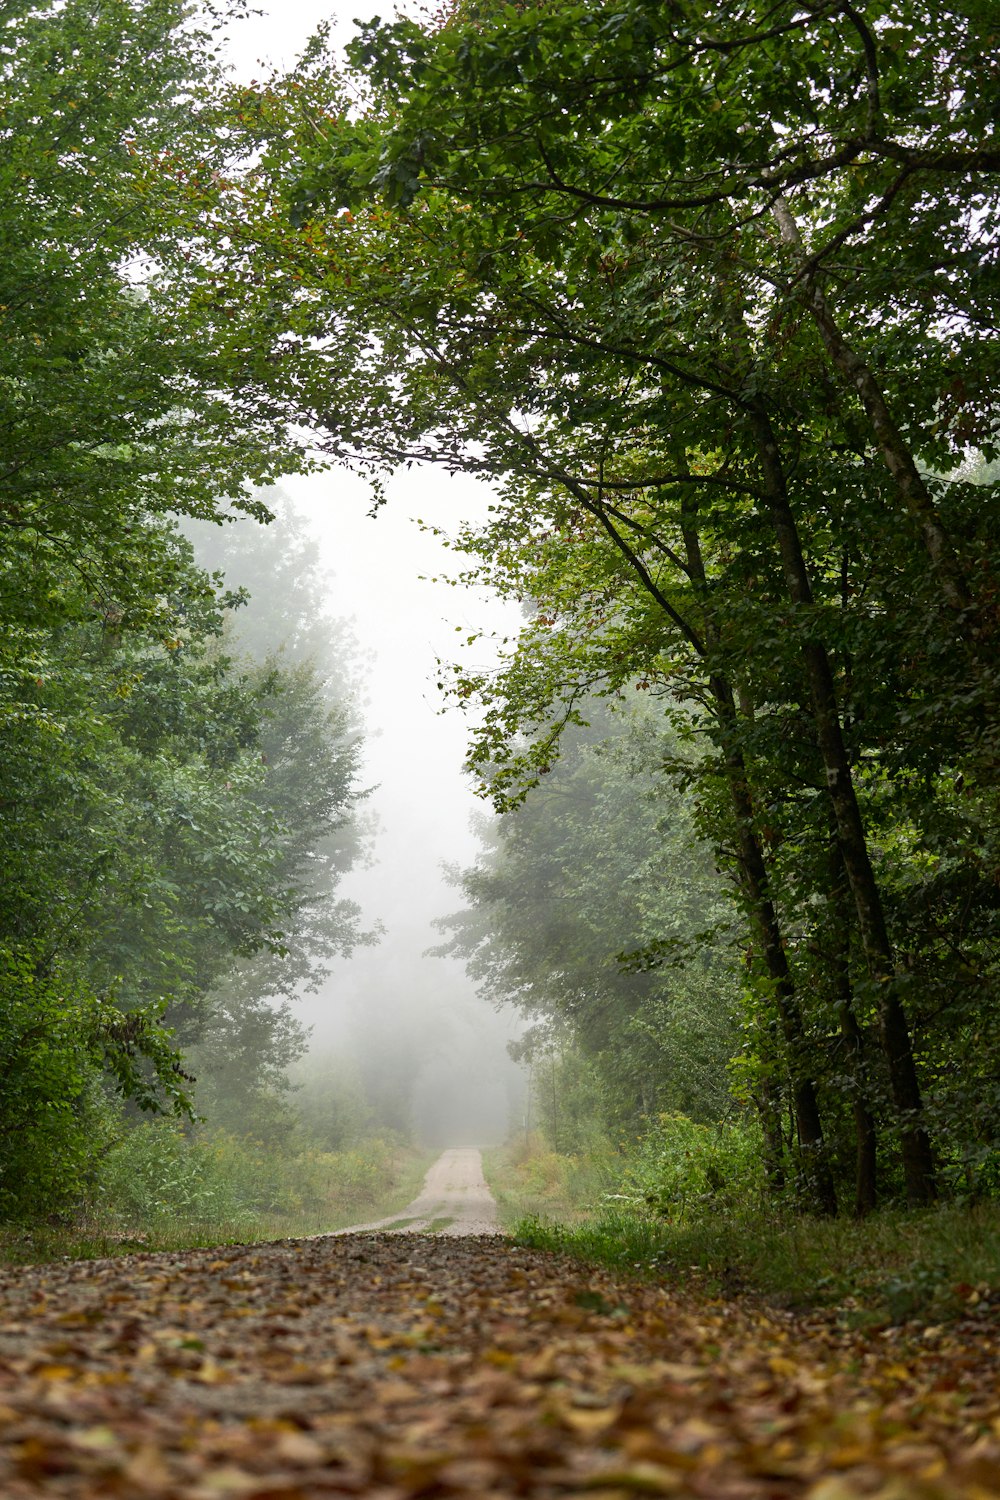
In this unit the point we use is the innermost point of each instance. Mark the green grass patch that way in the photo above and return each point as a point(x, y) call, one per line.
point(436, 1225)
point(528, 1179)
point(167, 1191)
point(895, 1267)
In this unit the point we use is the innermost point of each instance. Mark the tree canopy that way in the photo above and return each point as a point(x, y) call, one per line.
point(710, 294)
point(597, 911)
point(153, 828)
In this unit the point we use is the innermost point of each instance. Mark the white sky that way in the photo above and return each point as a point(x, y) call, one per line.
point(276, 32)
point(414, 753)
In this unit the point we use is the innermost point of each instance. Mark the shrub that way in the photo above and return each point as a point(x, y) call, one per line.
point(681, 1168)
point(158, 1170)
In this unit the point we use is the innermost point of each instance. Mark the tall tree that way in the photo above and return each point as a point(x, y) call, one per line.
point(598, 912)
point(138, 849)
point(699, 275)
point(305, 668)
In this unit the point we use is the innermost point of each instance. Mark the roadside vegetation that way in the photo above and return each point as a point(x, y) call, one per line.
point(899, 1266)
point(162, 1188)
point(709, 298)
point(683, 1205)
point(530, 1179)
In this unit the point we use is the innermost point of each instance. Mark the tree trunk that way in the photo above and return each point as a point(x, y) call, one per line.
point(753, 869)
point(865, 1135)
point(918, 1161)
point(769, 1108)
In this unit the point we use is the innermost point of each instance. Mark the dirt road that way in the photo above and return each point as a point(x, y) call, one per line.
point(430, 1367)
point(453, 1200)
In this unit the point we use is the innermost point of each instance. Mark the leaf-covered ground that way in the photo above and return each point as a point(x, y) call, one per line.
point(399, 1366)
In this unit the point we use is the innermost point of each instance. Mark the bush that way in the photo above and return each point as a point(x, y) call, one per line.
point(358, 1176)
point(50, 1159)
point(54, 1119)
point(680, 1168)
point(158, 1171)
point(527, 1177)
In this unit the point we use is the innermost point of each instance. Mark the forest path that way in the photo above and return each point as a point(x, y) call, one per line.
point(434, 1367)
point(454, 1200)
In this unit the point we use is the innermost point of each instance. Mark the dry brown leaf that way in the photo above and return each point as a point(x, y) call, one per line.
point(415, 1368)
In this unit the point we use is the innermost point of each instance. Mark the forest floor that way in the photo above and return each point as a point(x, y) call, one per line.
point(400, 1366)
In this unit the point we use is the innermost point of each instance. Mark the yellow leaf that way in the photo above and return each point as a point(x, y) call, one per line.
point(502, 1358)
point(228, 1480)
point(589, 1422)
point(95, 1438)
point(55, 1372)
point(684, 1374)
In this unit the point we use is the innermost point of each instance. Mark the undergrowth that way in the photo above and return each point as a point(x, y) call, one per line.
point(163, 1189)
point(896, 1266)
point(527, 1178)
point(688, 1202)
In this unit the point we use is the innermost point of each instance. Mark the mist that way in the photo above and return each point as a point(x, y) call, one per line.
point(404, 1029)
point(425, 1053)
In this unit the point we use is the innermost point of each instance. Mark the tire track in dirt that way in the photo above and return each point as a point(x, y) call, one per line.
point(454, 1200)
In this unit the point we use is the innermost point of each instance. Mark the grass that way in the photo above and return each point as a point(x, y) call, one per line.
point(896, 1266)
point(529, 1180)
point(92, 1237)
point(893, 1267)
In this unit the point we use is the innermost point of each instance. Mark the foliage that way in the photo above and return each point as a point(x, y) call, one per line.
point(896, 1268)
point(146, 844)
point(708, 294)
point(157, 1173)
point(330, 1101)
point(597, 911)
point(54, 1121)
point(115, 413)
point(170, 811)
point(683, 1170)
point(206, 1184)
point(528, 1178)
point(302, 666)
point(118, 403)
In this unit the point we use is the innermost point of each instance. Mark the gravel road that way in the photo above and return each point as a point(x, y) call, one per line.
point(433, 1367)
point(453, 1200)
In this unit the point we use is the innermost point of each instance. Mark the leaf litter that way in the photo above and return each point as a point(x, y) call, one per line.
point(405, 1366)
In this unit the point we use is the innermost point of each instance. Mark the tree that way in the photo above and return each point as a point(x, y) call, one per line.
point(171, 858)
point(304, 665)
point(140, 852)
point(117, 402)
point(598, 912)
point(108, 835)
point(703, 279)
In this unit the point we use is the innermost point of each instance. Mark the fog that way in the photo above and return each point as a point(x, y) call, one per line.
point(428, 1054)
point(409, 1024)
